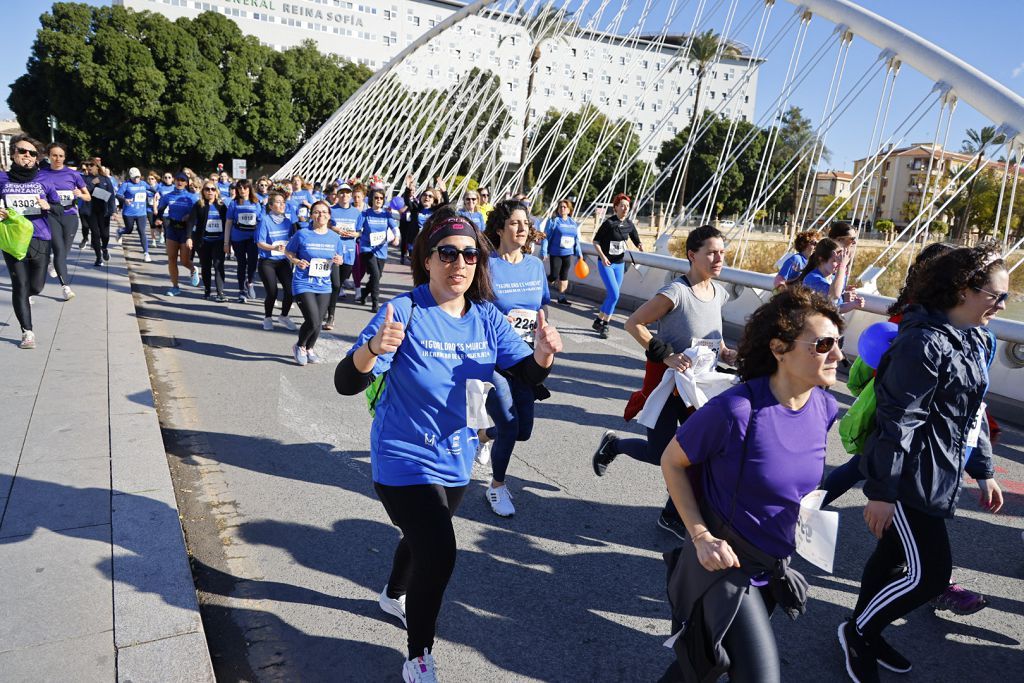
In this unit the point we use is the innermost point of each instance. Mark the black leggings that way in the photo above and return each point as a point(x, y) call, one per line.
point(911, 565)
point(211, 258)
point(99, 229)
point(425, 556)
point(374, 267)
point(313, 307)
point(338, 275)
point(62, 231)
point(749, 642)
point(272, 273)
point(246, 255)
point(559, 268)
point(28, 277)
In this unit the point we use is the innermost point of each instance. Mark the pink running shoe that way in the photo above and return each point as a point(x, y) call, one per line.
point(959, 600)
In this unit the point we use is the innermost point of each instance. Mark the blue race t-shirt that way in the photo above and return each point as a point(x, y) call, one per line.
point(274, 230)
point(563, 238)
point(244, 217)
point(419, 433)
point(819, 283)
point(137, 196)
point(301, 212)
point(475, 216)
point(319, 250)
point(64, 181)
point(372, 227)
point(225, 191)
point(422, 215)
point(346, 219)
point(178, 204)
point(792, 266)
point(25, 198)
point(519, 285)
point(783, 463)
point(213, 231)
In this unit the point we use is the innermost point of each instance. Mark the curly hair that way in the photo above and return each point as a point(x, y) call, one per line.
point(497, 218)
point(480, 289)
point(782, 318)
point(946, 277)
point(933, 250)
point(805, 238)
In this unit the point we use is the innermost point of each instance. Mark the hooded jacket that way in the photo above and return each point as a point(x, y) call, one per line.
point(929, 389)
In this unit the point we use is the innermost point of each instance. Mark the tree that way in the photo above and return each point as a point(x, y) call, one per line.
point(548, 25)
point(796, 136)
point(975, 143)
point(703, 52)
point(840, 206)
point(141, 90)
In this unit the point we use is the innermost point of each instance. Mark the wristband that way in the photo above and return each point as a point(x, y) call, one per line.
point(658, 351)
point(369, 347)
point(694, 539)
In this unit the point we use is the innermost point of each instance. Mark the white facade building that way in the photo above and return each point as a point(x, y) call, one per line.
point(619, 78)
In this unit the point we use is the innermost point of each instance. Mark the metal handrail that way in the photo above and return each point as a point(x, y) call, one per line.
point(1006, 330)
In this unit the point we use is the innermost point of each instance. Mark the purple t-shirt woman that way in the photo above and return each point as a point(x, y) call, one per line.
point(64, 181)
point(784, 461)
point(23, 197)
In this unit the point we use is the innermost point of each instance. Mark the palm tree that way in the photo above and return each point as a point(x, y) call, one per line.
point(703, 53)
point(549, 24)
point(975, 143)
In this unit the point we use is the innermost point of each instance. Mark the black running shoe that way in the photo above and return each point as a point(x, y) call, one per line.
point(673, 525)
point(562, 301)
point(861, 664)
point(598, 323)
point(99, 262)
point(605, 453)
point(603, 332)
point(888, 657)
point(106, 255)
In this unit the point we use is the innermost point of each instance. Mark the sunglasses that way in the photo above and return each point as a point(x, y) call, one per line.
point(26, 150)
point(485, 195)
point(209, 189)
point(823, 345)
point(999, 298)
point(449, 254)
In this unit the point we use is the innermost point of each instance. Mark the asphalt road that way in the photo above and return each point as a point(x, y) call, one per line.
point(291, 548)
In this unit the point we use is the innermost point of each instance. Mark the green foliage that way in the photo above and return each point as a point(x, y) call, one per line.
point(938, 228)
point(884, 225)
point(141, 90)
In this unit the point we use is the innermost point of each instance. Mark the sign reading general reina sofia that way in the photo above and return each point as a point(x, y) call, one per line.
point(298, 10)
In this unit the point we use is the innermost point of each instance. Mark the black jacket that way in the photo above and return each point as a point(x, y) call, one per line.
point(929, 388)
point(198, 219)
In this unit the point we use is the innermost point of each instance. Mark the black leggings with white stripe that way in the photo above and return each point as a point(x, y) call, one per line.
point(890, 590)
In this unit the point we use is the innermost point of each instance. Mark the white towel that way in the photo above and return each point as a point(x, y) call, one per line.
point(699, 383)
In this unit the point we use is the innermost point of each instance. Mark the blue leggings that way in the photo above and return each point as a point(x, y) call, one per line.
point(842, 479)
point(612, 277)
point(510, 405)
point(139, 223)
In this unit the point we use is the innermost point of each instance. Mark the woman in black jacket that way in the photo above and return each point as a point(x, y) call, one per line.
point(209, 216)
point(930, 389)
point(610, 243)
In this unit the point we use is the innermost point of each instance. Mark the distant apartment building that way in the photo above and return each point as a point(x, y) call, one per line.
point(895, 189)
point(829, 185)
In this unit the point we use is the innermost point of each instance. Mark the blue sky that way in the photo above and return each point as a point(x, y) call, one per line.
point(985, 33)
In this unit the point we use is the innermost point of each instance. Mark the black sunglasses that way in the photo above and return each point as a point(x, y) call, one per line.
point(448, 254)
point(824, 344)
point(999, 298)
point(26, 150)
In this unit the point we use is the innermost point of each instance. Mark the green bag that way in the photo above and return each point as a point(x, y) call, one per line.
point(859, 420)
point(15, 234)
point(376, 388)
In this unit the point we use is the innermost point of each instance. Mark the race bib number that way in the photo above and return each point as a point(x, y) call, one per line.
point(139, 198)
point(567, 242)
point(303, 213)
point(214, 225)
point(101, 194)
point(377, 238)
point(524, 322)
point(975, 431)
point(616, 248)
point(715, 345)
point(67, 197)
point(346, 226)
point(319, 267)
point(247, 219)
point(26, 204)
point(816, 531)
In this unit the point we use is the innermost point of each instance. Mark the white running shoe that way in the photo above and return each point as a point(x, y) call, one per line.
point(312, 357)
point(146, 257)
point(195, 278)
point(28, 341)
point(501, 501)
point(287, 322)
point(420, 670)
point(68, 294)
point(299, 354)
point(483, 452)
point(393, 606)
point(31, 301)
point(268, 323)
point(51, 271)
point(251, 291)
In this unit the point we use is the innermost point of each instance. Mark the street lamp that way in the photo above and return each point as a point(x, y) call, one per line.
point(51, 120)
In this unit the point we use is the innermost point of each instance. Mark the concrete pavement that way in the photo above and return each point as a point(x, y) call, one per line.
point(96, 584)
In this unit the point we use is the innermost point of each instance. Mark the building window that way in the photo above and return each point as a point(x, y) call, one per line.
point(414, 19)
point(622, 61)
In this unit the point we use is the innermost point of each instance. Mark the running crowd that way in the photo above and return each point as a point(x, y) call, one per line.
point(451, 371)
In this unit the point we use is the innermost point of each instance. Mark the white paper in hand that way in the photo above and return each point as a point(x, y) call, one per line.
point(816, 531)
point(476, 404)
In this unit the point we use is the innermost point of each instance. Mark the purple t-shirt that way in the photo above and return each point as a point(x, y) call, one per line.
point(22, 196)
point(784, 462)
point(64, 181)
